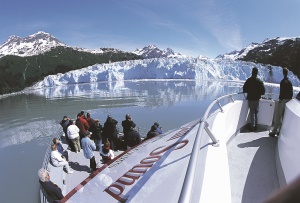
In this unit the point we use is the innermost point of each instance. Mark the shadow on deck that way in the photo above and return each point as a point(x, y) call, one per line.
point(252, 166)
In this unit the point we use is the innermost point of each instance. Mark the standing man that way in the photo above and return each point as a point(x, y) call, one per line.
point(127, 123)
point(285, 95)
point(82, 124)
point(254, 88)
point(88, 148)
point(110, 132)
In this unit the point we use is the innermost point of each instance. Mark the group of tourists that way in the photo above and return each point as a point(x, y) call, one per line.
point(254, 88)
point(89, 135)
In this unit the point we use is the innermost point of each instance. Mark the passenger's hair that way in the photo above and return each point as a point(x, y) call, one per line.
point(42, 173)
point(53, 147)
point(254, 71)
point(107, 144)
point(54, 140)
point(285, 71)
point(71, 122)
point(88, 115)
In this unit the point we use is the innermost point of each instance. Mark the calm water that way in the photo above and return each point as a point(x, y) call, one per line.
point(28, 121)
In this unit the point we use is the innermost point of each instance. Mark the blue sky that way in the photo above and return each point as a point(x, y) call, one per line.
point(191, 27)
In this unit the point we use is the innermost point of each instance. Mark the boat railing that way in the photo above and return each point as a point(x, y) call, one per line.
point(43, 195)
point(187, 187)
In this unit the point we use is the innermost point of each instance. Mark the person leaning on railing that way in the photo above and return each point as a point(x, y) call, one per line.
point(54, 193)
point(285, 95)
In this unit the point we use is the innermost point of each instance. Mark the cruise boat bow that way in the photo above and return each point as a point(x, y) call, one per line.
point(213, 159)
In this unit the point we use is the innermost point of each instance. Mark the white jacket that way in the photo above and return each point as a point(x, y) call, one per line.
point(56, 157)
point(72, 132)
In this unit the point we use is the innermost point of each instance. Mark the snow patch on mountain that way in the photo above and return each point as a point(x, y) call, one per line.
point(151, 51)
point(35, 44)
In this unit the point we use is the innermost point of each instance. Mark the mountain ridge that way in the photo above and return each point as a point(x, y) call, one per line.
point(42, 42)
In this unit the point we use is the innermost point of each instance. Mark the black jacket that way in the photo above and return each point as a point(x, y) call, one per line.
point(286, 89)
point(133, 138)
point(110, 128)
point(151, 134)
point(52, 190)
point(254, 88)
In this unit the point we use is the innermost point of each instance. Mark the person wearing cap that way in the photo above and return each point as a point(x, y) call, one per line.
point(126, 124)
point(152, 133)
point(88, 147)
point(158, 129)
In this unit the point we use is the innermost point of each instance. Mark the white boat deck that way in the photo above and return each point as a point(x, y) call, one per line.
point(252, 166)
point(81, 167)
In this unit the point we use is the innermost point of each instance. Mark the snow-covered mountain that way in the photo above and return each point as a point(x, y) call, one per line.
point(267, 46)
point(152, 51)
point(35, 44)
point(167, 68)
point(42, 42)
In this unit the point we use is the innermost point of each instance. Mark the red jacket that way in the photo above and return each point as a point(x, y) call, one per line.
point(82, 124)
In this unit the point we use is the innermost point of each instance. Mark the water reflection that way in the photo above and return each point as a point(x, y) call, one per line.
point(23, 116)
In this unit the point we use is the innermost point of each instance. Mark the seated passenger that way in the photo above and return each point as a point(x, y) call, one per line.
point(57, 159)
point(133, 138)
point(60, 148)
point(158, 129)
point(54, 193)
point(106, 153)
point(153, 132)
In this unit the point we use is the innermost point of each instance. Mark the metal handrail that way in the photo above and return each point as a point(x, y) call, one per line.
point(43, 195)
point(186, 191)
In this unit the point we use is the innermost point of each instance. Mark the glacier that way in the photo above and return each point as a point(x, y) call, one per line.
point(198, 69)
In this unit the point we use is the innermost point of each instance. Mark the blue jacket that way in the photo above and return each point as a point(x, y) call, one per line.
point(88, 147)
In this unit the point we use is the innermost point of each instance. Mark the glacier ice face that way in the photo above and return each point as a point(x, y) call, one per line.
point(198, 69)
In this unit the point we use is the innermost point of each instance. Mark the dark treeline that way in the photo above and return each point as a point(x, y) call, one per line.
point(16, 72)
